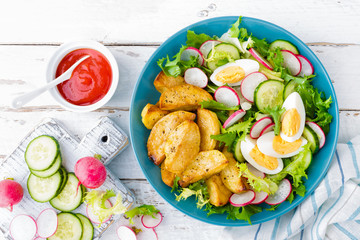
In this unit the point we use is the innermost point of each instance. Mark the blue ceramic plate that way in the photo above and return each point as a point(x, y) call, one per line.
point(145, 92)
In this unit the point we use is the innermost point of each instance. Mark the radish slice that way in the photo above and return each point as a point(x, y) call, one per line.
point(150, 222)
point(195, 76)
point(23, 227)
point(254, 171)
point(250, 83)
point(260, 58)
point(260, 197)
point(207, 46)
point(227, 96)
point(292, 62)
point(267, 129)
point(126, 233)
point(259, 126)
point(47, 223)
point(306, 66)
point(192, 52)
point(242, 199)
point(319, 132)
point(95, 219)
point(281, 194)
point(235, 117)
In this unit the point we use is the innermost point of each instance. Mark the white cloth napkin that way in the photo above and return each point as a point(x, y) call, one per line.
point(332, 211)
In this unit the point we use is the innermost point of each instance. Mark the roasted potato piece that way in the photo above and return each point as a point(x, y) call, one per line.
point(208, 124)
point(181, 146)
point(166, 176)
point(183, 97)
point(206, 164)
point(219, 194)
point(160, 131)
point(151, 114)
point(163, 82)
point(230, 175)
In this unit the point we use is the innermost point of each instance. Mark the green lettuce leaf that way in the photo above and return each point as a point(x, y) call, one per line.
point(234, 30)
point(195, 40)
point(276, 59)
point(175, 184)
point(300, 190)
point(199, 189)
point(234, 213)
point(227, 138)
point(214, 105)
point(141, 210)
point(261, 45)
point(276, 113)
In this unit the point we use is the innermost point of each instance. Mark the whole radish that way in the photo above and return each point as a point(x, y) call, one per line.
point(90, 172)
point(11, 193)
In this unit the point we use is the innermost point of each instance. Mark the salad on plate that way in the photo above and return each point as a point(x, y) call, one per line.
point(237, 123)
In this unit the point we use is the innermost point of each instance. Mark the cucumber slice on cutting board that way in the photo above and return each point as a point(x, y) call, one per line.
point(49, 172)
point(44, 189)
point(69, 227)
point(88, 228)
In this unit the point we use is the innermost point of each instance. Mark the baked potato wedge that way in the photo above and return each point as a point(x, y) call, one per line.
point(163, 82)
point(181, 146)
point(161, 130)
point(230, 175)
point(206, 164)
point(183, 97)
point(208, 124)
point(218, 192)
point(151, 114)
point(166, 176)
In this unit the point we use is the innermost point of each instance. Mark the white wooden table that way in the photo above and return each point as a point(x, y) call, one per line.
point(30, 31)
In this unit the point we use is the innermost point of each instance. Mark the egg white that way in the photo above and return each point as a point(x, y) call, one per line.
point(265, 145)
point(247, 146)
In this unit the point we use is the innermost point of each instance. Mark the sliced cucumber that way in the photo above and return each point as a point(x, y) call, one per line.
point(269, 94)
point(290, 87)
point(69, 227)
point(70, 197)
point(284, 45)
point(221, 52)
point(44, 189)
point(312, 137)
point(41, 153)
point(237, 150)
point(49, 172)
point(64, 173)
point(307, 159)
point(88, 228)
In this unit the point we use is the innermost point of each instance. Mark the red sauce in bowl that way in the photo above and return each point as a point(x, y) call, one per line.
point(90, 81)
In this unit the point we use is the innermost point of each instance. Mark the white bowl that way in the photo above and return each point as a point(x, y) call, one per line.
point(60, 53)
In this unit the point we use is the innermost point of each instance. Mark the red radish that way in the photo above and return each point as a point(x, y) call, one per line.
point(23, 227)
point(255, 171)
point(306, 66)
point(281, 194)
point(149, 222)
point(292, 62)
point(250, 83)
point(257, 128)
point(242, 199)
point(195, 76)
point(235, 117)
point(267, 129)
point(319, 132)
point(260, 197)
point(207, 46)
point(227, 96)
point(90, 172)
point(95, 219)
point(192, 52)
point(47, 223)
point(260, 58)
point(126, 233)
point(11, 193)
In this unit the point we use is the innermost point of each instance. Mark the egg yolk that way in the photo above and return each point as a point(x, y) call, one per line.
point(263, 160)
point(283, 147)
point(231, 74)
point(291, 122)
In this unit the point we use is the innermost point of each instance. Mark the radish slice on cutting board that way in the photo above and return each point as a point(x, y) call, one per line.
point(23, 227)
point(95, 219)
point(207, 46)
point(47, 223)
point(291, 62)
point(242, 199)
point(259, 126)
point(195, 76)
point(192, 52)
point(319, 132)
point(234, 118)
point(260, 58)
point(250, 83)
point(151, 222)
point(281, 194)
point(126, 233)
point(267, 129)
point(306, 66)
point(227, 96)
point(260, 197)
point(254, 171)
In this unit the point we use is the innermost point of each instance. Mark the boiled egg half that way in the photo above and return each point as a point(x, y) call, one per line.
point(293, 119)
point(233, 73)
point(262, 162)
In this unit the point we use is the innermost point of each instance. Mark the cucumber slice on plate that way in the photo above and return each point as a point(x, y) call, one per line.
point(49, 172)
point(237, 150)
point(88, 228)
point(284, 45)
point(69, 227)
point(312, 137)
point(71, 196)
point(41, 153)
point(290, 87)
point(44, 189)
point(269, 94)
point(220, 52)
